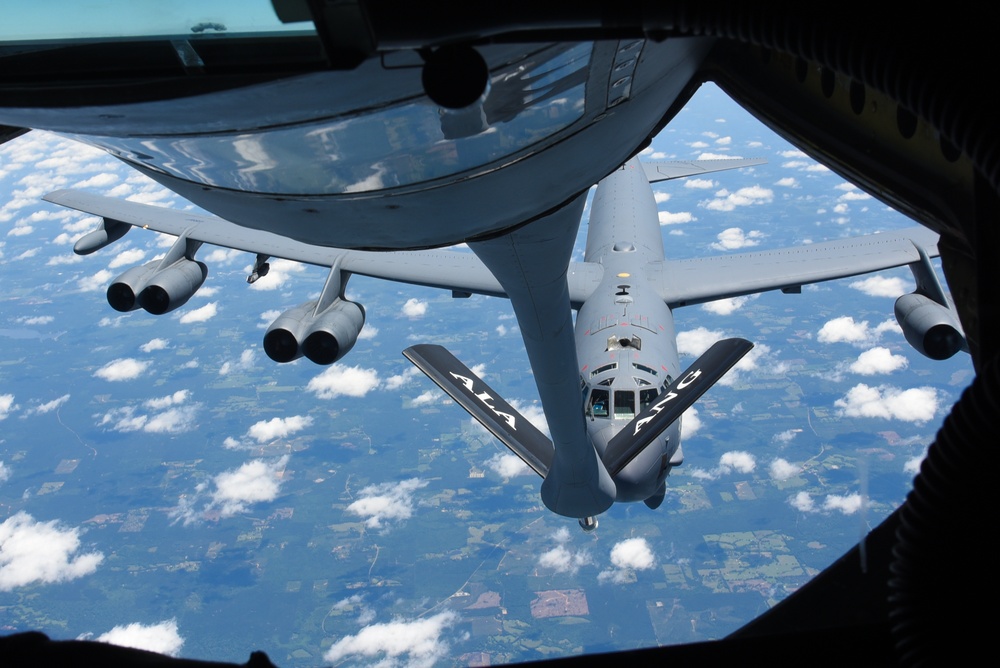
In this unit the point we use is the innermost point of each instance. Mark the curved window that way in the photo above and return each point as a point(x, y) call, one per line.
point(598, 404)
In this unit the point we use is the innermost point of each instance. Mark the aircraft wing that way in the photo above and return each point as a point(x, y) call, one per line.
point(449, 270)
point(699, 280)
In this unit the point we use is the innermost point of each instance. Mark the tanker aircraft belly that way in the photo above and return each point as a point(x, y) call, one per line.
point(610, 384)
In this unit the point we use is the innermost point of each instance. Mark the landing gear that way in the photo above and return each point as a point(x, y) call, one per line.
point(588, 524)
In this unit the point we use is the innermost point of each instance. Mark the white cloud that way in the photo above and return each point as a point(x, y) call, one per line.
point(269, 430)
point(4, 472)
point(44, 552)
point(244, 363)
point(918, 404)
point(700, 184)
point(782, 469)
point(507, 465)
point(385, 502)
point(154, 344)
point(206, 312)
point(881, 286)
point(128, 257)
point(734, 238)
point(256, 481)
point(36, 320)
point(177, 398)
point(336, 381)
point(166, 415)
point(279, 274)
point(50, 406)
point(749, 196)
point(679, 218)
point(803, 502)
point(399, 380)
point(848, 505)
point(633, 554)
point(845, 330)
point(6, 405)
point(161, 638)
point(414, 308)
point(727, 306)
point(96, 282)
point(912, 465)
point(690, 423)
point(787, 182)
point(563, 560)
point(878, 360)
point(122, 369)
point(426, 398)
point(696, 341)
point(414, 644)
point(786, 436)
point(737, 461)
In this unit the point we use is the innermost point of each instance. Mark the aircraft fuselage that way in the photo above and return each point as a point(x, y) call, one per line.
point(624, 332)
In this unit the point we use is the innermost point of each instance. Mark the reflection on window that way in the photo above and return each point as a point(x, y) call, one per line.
point(646, 397)
point(598, 406)
point(397, 145)
point(602, 369)
point(624, 404)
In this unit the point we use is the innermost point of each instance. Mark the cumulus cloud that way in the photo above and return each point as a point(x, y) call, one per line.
point(735, 238)
point(846, 330)
point(386, 502)
point(279, 274)
point(881, 286)
point(803, 502)
point(244, 363)
point(786, 436)
point(7, 405)
point(96, 282)
point(734, 461)
point(399, 380)
point(129, 257)
point(633, 554)
point(918, 404)
point(43, 552)
point(36, 320)
point(414, 644)
point(561, 559)
point(161, 638)
point(848, 505)
point(700, 184)
point(532, 412)
point(50, 406)
point(507, 465)
point(4, 472)
point(878, 360)
point(728, 305)
point(781, 469)
point(233, 492)
point(171, 414)
point(787, 182)
point(203, 314)
point(728, 201)
point(275, 428)
point(911, 466)
point(154, 344)
point(120, 369)
point(678, 218)
point(414, 308)
point(336, 381)
point(690, 423)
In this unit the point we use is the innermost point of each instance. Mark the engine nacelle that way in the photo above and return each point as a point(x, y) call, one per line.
point(171, 288)
point(322, 338)
point(929, 327)
point(157, 290)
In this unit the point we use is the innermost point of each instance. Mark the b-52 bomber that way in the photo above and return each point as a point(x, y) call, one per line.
point(611, 385)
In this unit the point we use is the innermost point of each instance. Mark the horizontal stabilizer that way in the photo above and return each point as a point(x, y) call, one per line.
point(485, 405)
point(670, 404)
point(663, 170)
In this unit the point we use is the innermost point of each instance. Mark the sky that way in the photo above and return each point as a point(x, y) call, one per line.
point(148, 383)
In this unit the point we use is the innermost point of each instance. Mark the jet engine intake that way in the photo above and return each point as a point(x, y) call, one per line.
point(322, 337)
point(157, 290)
point(929, 327)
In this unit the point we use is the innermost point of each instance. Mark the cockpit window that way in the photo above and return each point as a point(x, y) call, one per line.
point(646, 397)
point(598, 406)
point(624, 404)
